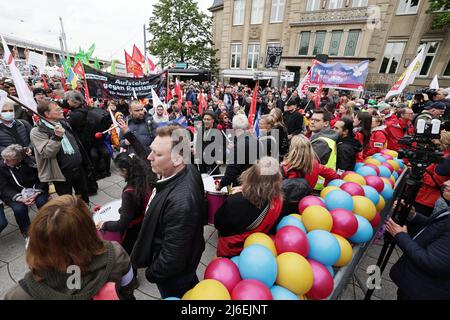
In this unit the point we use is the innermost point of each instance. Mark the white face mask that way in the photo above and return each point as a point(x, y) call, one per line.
point(8, 116)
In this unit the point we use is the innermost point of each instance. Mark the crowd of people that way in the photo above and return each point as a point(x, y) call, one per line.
point(163, 152)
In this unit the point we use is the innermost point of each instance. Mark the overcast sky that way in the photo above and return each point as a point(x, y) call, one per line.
point(112, 25)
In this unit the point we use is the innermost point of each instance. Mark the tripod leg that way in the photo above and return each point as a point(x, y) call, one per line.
point(384, 256)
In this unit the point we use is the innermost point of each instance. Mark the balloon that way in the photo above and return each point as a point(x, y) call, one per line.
point(291, 221)
point(387, 165)
point(380, 158)
point(364, 233)
point(291, 239)
point(353, 189)
point(381, 204)
point(257, 262)
point(388, 157)
point(364, 207)
point(400, 163)
point(310, 201)
point(376, 221)
point(372, 194)
point(366, 171)
point(375, 182)
point(374, 167)
point(331, 270)
point(335, 183)
point(395, 175)
point(251, 289)
point(346, 173)
point(236, 261)
point(280, 293)
point(209, 289)
point(262, 239)
point(354, 177)
point(297, 216)
point(172, 298)
point(346, 251)
point(344, 222)
point(187, 295)
point(372, 161)
point(224, 271)
point(316, 217)
point(327, 190)
point(392, 153)
point(294, 273)
point(384, 171)
point(392, 179)
point(339, 199)
point(394, 164)
point(387, 192)
point(358, 165)
point(322, 281)
point(388, 181)
point(323, 247)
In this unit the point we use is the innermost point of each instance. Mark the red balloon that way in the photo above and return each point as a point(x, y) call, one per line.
point(346, 173)
point(323, 281)
point(344, 222)
point(98, 135)
point(374, 167)
point(291, 239)
point(388, 156)
point(375, 182)
point(310, 201)
point(225, 271)
point(376, 220)
point(389, 166)
point(353, 189)
point(251, 289)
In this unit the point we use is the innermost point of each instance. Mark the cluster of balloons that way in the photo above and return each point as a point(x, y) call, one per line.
point(297, 262)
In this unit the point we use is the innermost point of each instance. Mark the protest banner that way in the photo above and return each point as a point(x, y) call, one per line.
point(37, 60)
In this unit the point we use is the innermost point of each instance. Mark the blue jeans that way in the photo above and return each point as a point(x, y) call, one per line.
point(177, 287)
point(3, 221)
point(21, 212)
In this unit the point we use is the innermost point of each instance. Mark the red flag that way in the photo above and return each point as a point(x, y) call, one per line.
point(151, 64)
point(137, 55)
point(178, 91)
point(318, 94)
point(252, 112)
point(201, 102)
point(78, 69)
point(44, 80)
point(133, 66)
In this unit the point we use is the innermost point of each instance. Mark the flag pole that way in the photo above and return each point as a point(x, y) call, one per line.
point(29, 109)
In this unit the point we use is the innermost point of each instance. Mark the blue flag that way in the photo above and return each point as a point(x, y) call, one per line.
point(256, 125)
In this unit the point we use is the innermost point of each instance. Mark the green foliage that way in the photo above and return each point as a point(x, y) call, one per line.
point(182, 33)
point(440, 19)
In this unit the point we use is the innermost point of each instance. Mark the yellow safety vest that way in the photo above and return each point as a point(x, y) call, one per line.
point(331, 161)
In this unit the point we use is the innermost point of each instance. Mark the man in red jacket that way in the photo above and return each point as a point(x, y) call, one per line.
point(405, 120)
point(393, 129)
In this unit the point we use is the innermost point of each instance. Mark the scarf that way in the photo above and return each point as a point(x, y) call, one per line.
point(66, 145)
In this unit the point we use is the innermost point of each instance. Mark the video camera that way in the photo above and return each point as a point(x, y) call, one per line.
point(428, 91)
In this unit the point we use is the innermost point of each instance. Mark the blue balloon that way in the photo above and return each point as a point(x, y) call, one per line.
point(372, 194)
point(257, 262)
point(400, 163)
point(358, 165)
point(395, 174)
point(377, 155)
point(291, 221)
point(364, 232)
point(366, 171)
point(235, 259)
point(380, 158)
point(280, 293)
point(336, 183)
point(384, 172)
point(330, 268)
point(339, 199)
point(387, 192)
point(172, 298)
point(323, 247)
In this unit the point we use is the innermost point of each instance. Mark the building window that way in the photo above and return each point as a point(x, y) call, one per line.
point(313, 5)
point(320, 40)
point(236, 49)
point(392, 57)
point(352, 42)
point(359, 3)
point(336, 36)
point(407, 7)
point(430, 52)
point(447, 70)
point(277, 12)
point(304, 43)
point(239, 12)
point(253, 56)
point(334, 4)
point(257, 11)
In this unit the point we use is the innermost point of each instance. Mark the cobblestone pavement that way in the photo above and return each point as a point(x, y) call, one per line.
point(13, 265)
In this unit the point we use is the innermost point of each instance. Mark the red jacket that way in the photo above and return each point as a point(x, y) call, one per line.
point(359, 136)
point(407, 126)
point(394, 132)
point(312, 177)
point(378, 141)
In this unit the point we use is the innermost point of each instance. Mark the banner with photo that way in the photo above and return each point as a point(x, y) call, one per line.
point(21, 64)
point(108, 86)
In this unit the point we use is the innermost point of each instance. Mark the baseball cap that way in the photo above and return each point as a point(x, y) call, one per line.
point(383, 106)
point(436, 105)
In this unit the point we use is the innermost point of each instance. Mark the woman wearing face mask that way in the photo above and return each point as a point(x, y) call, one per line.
point(13, 131)
point(20, 186)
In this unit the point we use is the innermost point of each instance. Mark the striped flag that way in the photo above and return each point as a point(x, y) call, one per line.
point(256, 127)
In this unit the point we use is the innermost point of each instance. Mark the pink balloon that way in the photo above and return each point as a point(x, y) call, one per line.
point(344, 222)
point(346, 173)
point(291, 239)
point(389, 166)
point(323, 281)
point(376, 220)
point(376, 182)
point(374, 167)
point(225, 271)
point(388, 156)
point(310, 201)
point(251, 289)
point(353, 189)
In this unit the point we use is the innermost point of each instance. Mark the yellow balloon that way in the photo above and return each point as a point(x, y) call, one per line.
point(372, 161)
point(388, 181)
point(381, 204)
point(392, 179)
point(262, 239)
point(394, 164)
point(294, 273)
point(295, 215)
point(354, 177)
point(317, 218)
point(364, 207)
point(346, 251)
point(327, 190)
point(392, 153)
point(302, 297)
point(209, 289)
point(187, 295)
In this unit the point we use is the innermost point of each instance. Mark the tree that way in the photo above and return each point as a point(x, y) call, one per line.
point(441, 11)
point(181, 33)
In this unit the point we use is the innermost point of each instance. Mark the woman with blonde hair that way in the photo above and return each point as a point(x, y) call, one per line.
point(255, 208)
point(302, 162)
point(63, 241)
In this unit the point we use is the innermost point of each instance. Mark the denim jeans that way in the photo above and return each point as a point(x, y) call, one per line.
point(3, 221)
point(21, 212)
point(177, 287)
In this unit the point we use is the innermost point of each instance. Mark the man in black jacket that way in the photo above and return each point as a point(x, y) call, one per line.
point(170, 243)
point(292, 119)
point(12, 130)
point(347, 145)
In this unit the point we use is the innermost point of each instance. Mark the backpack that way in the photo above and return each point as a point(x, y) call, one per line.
point(98, 120)
point(294, 189)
